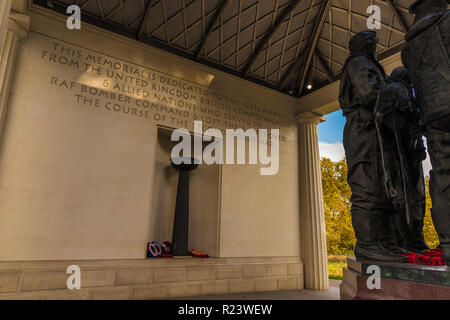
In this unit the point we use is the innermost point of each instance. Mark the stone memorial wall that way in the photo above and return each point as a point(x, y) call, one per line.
point(77, 157)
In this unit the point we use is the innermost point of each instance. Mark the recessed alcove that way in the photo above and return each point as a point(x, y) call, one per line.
point(204, 195)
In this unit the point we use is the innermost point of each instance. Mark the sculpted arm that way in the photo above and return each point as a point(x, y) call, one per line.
point(366, 79)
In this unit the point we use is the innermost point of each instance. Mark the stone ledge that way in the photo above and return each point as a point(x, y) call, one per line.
point(141, 263)
point(161, 291)
point(150, 279)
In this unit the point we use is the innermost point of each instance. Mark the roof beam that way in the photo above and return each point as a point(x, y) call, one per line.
point(397, 15)
point(324, 65)
point(208, 32)
point(294, 65)
point(259, 48)
point(313, 41)
point(144, 21)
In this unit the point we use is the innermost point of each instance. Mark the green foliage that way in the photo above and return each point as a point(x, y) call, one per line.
point(336, 194)
point(335, 266)
point(338, 221)
point(429, 232)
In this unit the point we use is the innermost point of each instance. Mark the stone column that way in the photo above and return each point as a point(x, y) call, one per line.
point(16, 30)
point(5, 8)
point(180, 234)
point(313, 244)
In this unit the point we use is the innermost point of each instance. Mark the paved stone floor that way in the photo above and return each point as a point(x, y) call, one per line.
point(331, 294)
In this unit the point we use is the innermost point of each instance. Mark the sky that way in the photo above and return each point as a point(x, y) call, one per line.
point(330, 139)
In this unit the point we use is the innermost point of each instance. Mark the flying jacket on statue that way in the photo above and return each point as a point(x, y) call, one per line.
point(426, 56)
point(362, 80)
point(402, 151)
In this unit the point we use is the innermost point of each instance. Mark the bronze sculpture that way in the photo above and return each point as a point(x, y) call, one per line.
point(426, 56)
point(402, 152)
point(362, 81)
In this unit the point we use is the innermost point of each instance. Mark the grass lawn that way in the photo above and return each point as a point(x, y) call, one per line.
point(335, 265)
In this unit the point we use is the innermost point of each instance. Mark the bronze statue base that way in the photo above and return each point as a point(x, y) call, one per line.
point(399, 281)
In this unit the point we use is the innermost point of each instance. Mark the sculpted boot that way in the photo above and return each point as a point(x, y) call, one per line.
point(368, 247)
point(413, 238)
point(387, 234)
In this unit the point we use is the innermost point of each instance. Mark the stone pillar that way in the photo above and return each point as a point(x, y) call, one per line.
point(180, 234)
point(313, 244)
point(5, 8)
point(16, 30)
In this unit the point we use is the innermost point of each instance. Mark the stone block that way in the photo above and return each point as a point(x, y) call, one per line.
point(216, 287)
point(237, 286)
point(169, 275)
point(253, 271)
point(300, 283)
point(276, 270)
point(266, 285)
point(155, 292)
point(295, 269)
point(185, 290)
point(133, 277)
point(44, 280)
point(287, 283)
point(96, 278)
point(64, 294)
point(9, 281)
point(111, 293)
point(30, 295)
point(229, 272)
point(346, 291)
point(203, 273)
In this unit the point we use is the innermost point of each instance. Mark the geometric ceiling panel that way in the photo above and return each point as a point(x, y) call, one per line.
point(281, 44)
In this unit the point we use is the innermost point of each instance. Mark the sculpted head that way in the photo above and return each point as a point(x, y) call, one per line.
point(401, 74)
point(364, 43)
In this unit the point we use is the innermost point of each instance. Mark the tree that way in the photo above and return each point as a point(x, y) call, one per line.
point(429, 232)
point(338, 220)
